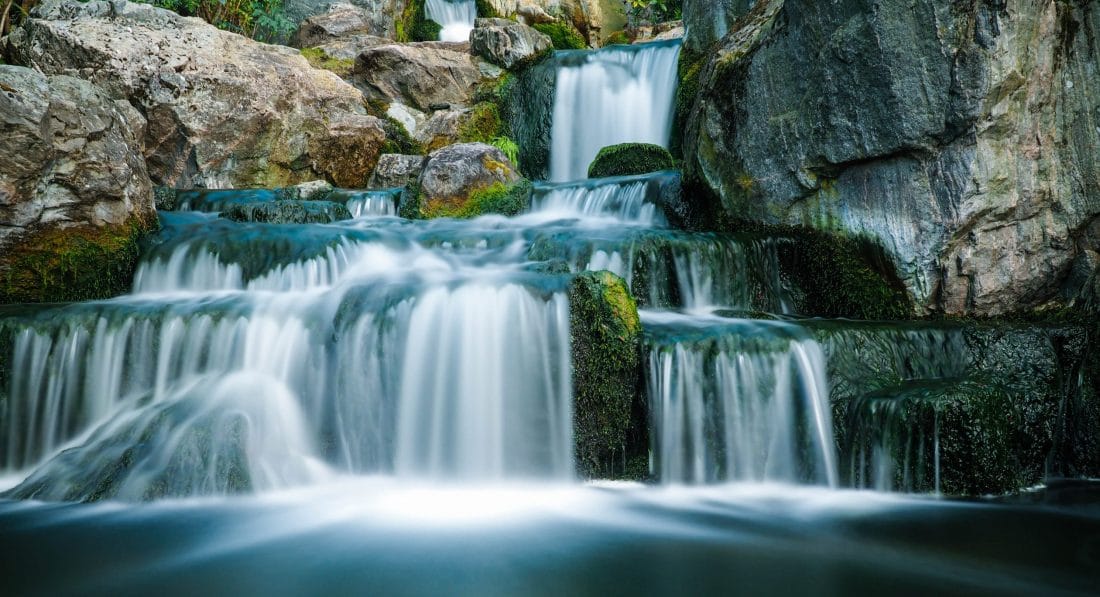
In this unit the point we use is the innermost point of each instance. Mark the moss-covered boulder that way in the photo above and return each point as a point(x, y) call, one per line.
point(563, 35)
point(455, 175)
point(75, 195)
point(628, 159)
point(606, 336)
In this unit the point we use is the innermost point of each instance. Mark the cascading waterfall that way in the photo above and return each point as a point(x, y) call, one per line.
point(616, 95)
point(738, 400)
point(626, 200)
point(456, 17)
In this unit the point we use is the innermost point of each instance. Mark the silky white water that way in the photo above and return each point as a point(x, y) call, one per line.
point(616, 95)
point(455, 17)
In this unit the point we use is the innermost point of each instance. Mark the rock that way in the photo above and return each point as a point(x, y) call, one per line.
point(532, 14)
point(74, 191)
point(288, 212)
point(412, 119)
point(443, 128)
point(967, 150)
point(380, 17)
point(341, 20)
point(349, 47)
point(223, 111)
point(396, 171)
point(606, 344)
point(314, 190)
point(418, 74)
point(627, 159)
point(528, 110)
point(707, 21)
point(453, 174)
point(507, 43)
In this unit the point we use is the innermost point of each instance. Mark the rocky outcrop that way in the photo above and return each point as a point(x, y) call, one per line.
point(507, 43)
point(339, 22)
point(707, 21)
point(961, 138)
point(223, 111)
point(595, 19)
point(421, 75)
point(452, 175)
point(380, 17)
point(74, 191)
point(396, 171)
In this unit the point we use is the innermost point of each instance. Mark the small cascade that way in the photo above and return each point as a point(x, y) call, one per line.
point(737, 400)
point(369, 204)
point(456, 17)
point(615, 95)
point(630, 199)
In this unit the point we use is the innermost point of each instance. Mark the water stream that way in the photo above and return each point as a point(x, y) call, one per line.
point(456, 17)
point(403, 390)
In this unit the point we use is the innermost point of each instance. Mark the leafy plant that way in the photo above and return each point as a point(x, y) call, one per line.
point(508, 147)
point(656, 11)
point(262, 20)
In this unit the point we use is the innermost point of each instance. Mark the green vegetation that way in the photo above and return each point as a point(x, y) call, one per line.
point(618, 38)
point(690, 69)
point(482, 125)
point(414, 24)
point(319, 59)
point(606, 334)
point(263, 20)
point(508, 147)
point(486, 10)
point(398, 139)
point(71, 264)
point(499, 198)
point(563, 35)
point(630, 158)
point(657, 11)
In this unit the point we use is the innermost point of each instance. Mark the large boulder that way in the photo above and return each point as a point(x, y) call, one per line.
point(381, 16)
point(454, 174)
point(507, 43)
point(421, 75)
point(396, 171)
point(223, 111)
point(340, 21)
point(74, 191)
point(961, 139)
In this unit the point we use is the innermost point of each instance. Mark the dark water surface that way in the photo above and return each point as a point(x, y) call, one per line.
point(373, 537)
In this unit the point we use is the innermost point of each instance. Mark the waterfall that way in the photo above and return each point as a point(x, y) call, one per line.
point(373, 204)
point(628, 199)
point(455, 17)
point(615, 95)
point(738, 400)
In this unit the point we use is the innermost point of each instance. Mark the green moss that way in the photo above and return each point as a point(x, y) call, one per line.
point(485, 10)
point(319, 59)
point(482, 125)
point(630, 158)
point(840, 276)
point(563, 35)
point(606, 336)
point(71, 264)
point(414, 24)
point(619, 38)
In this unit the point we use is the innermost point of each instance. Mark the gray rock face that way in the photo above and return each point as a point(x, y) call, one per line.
point(380, 16)
point(420, 75)
point(707, 21)
point(72, 157)
point(507, 43)
point(962, 139)
point(223, 111)
point(340, 21)
point(442, 128)
point(453, 173)
point(396, 171)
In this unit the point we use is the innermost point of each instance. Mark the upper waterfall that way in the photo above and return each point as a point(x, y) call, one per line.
point(455, 17)
point(615, 95)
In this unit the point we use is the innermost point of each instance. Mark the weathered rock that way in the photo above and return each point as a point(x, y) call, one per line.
point(443, 128)
point(606, 340)
point(288, 212)
point(380, 16)
point(396, 171)
point(420, 75)
point(707, 21)
point(314, 190)
point(340, 21)
point(74, 190)
point(349, 47)
point(223, 111)
point(595, 19)
point(453, 174)
point(412, 119)
point(962, 139)
point(507, 43)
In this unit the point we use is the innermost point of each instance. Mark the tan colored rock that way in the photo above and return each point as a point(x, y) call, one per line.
point(222, 110)
point(421, 75)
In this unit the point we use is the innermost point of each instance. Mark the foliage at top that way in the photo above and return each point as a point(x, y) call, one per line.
point(657, 11)
point(262, 20)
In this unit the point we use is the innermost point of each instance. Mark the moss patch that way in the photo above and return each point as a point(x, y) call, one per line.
point(482, 125)
point(628, 159)
point(690, 68)
point(319, 59)
point(485, 10)
point(71, 264)
point(414, 24)
point(606, 336)
point(506, 200)
point(563, 35)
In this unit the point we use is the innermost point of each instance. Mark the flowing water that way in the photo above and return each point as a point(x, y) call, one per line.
point(386, 406)
point(456, 17)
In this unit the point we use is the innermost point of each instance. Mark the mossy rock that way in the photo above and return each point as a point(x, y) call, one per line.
point(288, 212)
point(485, 10)
point(563, 35)
point(628, 159)
point(482, 125)
point(319, 59)
point(72, 264)
point(414, 24)
point(608, 414)
point(501, 199)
